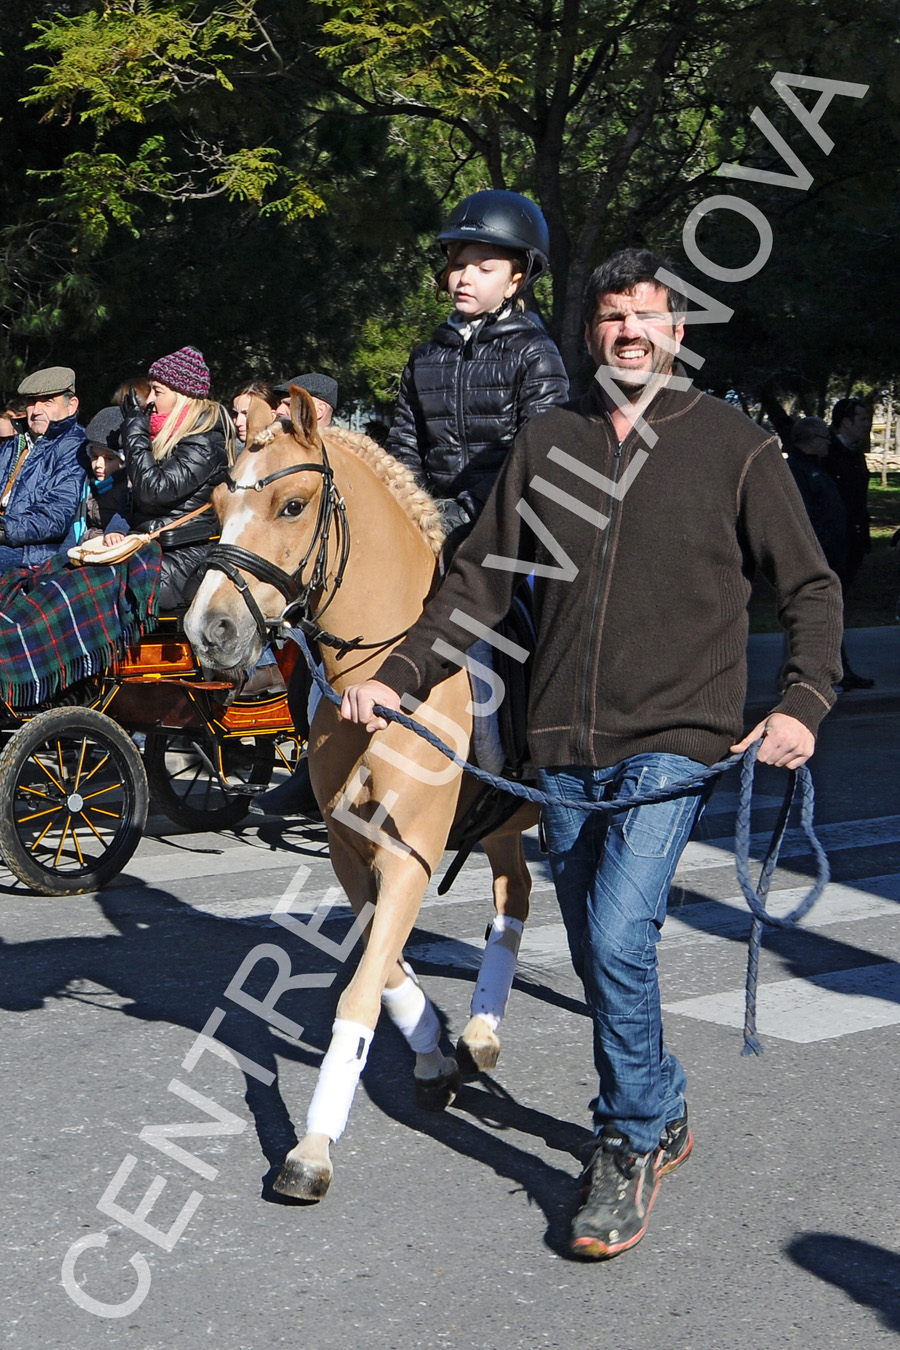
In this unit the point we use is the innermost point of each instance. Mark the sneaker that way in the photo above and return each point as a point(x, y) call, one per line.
point(675, 1145)
point(618, 1190)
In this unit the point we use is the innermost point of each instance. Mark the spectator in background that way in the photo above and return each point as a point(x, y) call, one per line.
point(42, 470)
point(810, 442)
point(322, 389)
point(140, 384)
point(241, 400)
point(12, 418)
point(851, 423)
point(176, 450)
point(108, 502)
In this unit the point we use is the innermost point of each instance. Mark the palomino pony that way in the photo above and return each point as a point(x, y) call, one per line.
point(337, 528)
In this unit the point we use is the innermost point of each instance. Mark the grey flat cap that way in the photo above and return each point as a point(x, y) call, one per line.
point(45, 383)
point(320, 386)
point(105, 428)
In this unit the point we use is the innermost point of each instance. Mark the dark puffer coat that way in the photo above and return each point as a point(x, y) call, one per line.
point(164, 490)
point(462, 403)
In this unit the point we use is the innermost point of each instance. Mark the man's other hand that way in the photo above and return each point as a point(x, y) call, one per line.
point(786, 742)
point(360, 699)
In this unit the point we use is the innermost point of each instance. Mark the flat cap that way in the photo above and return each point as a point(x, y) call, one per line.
point(320, 386)
point(105, 427)
point(45, 383)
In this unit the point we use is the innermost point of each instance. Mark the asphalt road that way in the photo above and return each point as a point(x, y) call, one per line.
point(450, 1229)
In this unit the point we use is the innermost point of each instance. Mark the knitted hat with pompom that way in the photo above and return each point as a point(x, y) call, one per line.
point(185, 371)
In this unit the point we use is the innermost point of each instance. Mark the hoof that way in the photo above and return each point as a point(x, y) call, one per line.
point(477, 1049)
point(436, 1094)
point(303, 1180)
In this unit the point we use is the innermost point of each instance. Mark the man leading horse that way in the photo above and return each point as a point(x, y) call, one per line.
point(643, 511)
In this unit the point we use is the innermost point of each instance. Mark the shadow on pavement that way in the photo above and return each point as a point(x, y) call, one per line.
point(869, 1274)
point(167, 962)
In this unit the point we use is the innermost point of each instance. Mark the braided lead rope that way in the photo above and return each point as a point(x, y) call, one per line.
point(515, 789)
point(754, 895)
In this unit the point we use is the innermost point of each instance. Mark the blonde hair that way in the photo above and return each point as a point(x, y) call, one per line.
point(202, 415)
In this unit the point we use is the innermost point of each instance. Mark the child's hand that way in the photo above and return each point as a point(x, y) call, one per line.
point(112, 538)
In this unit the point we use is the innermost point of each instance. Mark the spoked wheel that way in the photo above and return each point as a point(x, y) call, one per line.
point(182, 774)
point(73, 801)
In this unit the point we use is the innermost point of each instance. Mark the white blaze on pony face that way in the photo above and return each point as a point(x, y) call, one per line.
point(245, 475)
point(219, 623)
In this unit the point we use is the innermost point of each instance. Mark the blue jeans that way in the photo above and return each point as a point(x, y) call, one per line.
point(612, 874)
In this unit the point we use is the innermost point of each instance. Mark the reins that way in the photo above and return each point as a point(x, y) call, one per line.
point(755, 896)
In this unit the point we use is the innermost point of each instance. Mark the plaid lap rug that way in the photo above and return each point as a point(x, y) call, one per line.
point(60, 623)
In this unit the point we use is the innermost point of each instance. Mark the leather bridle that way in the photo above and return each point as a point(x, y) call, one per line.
point(233, 560)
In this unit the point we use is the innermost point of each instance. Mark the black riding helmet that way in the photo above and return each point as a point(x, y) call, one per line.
point(503, 218)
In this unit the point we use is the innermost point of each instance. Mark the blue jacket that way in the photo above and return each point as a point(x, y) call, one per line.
point(48, 490)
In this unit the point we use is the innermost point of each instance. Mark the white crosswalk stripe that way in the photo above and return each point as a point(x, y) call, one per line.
point(703, 853)
point(819, 1007)
point(701, 923)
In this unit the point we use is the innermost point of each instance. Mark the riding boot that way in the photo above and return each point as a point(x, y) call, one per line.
point(850, 679)
point(294, 797)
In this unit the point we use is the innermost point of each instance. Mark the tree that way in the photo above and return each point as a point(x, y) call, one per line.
point(180, 232)
point(615, 115)
point(355, 123)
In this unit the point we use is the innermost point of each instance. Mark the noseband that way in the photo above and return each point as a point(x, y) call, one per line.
point(228, 558)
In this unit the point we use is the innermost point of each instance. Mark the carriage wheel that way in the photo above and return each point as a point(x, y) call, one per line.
point(73, 801)
point(185, 786)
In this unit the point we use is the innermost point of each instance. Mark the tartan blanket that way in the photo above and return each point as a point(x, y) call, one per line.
point(60, 623)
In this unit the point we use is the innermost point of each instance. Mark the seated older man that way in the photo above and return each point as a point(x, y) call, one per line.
point(43, 470)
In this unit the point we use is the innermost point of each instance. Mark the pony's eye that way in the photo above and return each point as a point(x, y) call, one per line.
point(293, 508)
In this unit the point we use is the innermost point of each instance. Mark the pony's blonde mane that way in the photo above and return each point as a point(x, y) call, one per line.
point(417, 504)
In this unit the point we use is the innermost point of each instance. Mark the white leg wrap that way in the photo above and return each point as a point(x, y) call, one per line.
point(413, 1015)
point(338, 1077)
point(498, 968)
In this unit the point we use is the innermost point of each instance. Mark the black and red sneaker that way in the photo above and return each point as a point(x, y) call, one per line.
point(618, 1190)
point(675, 1145)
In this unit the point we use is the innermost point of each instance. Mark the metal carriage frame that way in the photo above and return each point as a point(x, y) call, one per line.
point(76, 778)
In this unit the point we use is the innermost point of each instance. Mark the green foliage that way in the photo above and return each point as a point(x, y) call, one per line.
point(123, 61)
point(98, 189)
point(286, 165)
point(386, 340)
point(400, 48)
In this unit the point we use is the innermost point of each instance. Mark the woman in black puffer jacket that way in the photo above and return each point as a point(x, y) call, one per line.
point(490, 368)
point(175, 453)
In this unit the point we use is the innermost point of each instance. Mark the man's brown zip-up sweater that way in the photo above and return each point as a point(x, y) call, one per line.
point(641, 621)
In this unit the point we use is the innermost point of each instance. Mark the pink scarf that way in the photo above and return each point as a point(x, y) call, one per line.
point(159, 420)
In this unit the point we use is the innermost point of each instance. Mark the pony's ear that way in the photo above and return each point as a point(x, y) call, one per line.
point(259, 416)
point(303, 415)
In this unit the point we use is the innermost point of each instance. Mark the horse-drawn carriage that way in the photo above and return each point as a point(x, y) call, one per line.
point(75, 788)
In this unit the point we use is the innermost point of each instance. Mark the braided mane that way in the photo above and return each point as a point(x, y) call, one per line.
point(417, 504)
